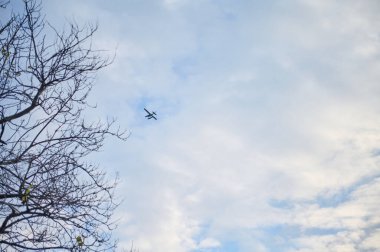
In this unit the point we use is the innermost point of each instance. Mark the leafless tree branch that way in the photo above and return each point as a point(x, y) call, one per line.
point(50, 197)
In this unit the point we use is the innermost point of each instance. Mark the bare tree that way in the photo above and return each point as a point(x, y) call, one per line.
point(4, 3)
point(50, 197)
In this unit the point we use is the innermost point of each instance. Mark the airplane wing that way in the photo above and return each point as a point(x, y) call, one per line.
point(154, 117)
point(146, 110)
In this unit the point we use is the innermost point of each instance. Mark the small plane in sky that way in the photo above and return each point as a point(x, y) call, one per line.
point(150, 115)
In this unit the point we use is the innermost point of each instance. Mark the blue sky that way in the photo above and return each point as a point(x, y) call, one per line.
point(269, 121)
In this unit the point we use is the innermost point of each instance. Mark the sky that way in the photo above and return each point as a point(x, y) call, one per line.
point(268, 130)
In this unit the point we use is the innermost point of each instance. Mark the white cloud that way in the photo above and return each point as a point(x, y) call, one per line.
point(209, 243)
point(372, 241)
point(259, 104)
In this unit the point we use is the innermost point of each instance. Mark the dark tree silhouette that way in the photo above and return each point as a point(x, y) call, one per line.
point(50, 197)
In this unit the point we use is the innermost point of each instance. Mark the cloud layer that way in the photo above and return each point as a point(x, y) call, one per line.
point(268, 131)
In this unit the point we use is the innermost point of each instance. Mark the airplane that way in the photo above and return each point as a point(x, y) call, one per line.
point(150, 115)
